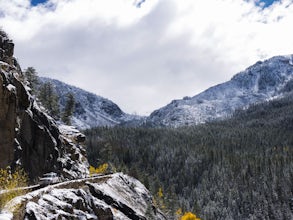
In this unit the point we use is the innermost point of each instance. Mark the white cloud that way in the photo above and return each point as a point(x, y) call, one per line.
point(142, 58)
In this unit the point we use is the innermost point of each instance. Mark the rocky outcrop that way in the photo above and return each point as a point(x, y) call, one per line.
point(29, 137)
point(115, 196)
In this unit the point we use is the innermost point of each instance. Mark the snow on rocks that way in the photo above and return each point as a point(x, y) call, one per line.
point(74, 162)
point(114, 196)
point(6, 216)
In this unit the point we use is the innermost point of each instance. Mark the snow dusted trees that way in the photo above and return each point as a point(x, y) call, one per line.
point(241, 168)
point(47, 96)
point(68, 110)
point(31, 76)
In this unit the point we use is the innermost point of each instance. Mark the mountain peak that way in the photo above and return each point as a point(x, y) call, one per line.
point(262, 81)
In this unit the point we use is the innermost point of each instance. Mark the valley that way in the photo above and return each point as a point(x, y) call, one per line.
point(242, 165)
point(226, 153)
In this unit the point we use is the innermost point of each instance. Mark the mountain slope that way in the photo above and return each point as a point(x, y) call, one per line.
point(236, 165)
point(260, 82)
point(90, 110)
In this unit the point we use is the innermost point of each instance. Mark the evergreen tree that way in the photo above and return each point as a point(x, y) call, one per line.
point(49, 99)
point(68, 110)
point(31, 76)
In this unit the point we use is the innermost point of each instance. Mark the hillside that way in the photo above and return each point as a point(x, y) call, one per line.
point(239, 168)
point(262, 81)
point(90, 110)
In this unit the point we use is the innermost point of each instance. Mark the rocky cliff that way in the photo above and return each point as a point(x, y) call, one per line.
point(29, 137)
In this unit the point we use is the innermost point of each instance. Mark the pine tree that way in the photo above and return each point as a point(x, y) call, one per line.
point(49, 99)
point(68, 110)
point(31, 76)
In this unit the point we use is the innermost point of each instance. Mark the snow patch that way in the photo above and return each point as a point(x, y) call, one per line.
point(11, 88)
point(6, 216)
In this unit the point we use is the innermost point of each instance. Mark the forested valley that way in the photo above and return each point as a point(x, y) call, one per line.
point(237, 168)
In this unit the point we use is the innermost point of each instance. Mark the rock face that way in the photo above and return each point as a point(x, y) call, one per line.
point(258, 83)
point(115, 196)
point(29, 137)
point(9, 103)
point(91, 110)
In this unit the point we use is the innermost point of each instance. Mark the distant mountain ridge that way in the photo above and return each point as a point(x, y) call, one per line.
point(260, 82)
point(90, 110)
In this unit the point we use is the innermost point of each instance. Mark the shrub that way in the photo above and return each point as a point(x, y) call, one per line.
point(10, 183)
point(189, 216)
point(99, 170)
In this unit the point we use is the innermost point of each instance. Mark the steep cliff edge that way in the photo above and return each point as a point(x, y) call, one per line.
point(29, 137)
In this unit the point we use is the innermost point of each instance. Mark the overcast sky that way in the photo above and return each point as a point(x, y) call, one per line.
point(143, 57)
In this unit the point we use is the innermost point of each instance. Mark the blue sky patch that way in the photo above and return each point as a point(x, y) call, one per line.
point(36, 2)
point(267, 2)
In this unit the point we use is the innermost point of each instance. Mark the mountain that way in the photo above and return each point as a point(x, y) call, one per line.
point(263, 81)
point(90, 110)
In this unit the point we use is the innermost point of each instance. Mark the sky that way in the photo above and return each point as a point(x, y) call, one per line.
point(144, 57)
point(37, 2)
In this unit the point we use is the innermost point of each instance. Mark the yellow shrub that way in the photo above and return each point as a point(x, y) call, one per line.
point(92, 170)
point(102, 168)
point(160, 193)
point(189, 216)
point(10, 183)
point(99, 170)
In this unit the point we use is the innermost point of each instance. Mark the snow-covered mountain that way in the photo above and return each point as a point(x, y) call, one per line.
point(263, 81)
point(90, 110)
